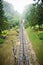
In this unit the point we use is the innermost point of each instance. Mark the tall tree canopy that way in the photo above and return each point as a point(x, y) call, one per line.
point(1, 14)
point(8, 16)
point(34, 15)
point(3, 19)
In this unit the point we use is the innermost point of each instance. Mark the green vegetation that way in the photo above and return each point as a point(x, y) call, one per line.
point(40, 36)
point(33, 15)
point(9, 30)
point(8, 16)
point(13, 16)
point(3, 20)
point(1, 41)
point(4, 33)
point(36, 43)
point(6, 49)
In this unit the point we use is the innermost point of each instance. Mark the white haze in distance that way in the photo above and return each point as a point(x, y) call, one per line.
point(19, 4)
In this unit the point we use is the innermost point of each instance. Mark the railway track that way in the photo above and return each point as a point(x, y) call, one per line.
point(23, 48)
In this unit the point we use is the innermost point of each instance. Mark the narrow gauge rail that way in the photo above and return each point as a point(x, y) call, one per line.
point(23, 50)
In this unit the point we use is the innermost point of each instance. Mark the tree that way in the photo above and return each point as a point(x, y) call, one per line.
point(39, 2)
point(30, 15)
point(35, 16)
point(3, 19)
point(13, 16)
point(40, 15)
point(1, 15)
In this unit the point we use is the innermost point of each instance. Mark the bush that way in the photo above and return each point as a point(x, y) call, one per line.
point(1, 40)
point(40, 36)
point(4, 33)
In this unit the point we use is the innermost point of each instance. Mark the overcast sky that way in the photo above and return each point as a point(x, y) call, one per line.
point(19, 4)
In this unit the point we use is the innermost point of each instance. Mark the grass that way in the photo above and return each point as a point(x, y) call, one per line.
point(36, 43)
point(6, 52)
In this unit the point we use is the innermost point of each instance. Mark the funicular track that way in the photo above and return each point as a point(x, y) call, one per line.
point(23, 49)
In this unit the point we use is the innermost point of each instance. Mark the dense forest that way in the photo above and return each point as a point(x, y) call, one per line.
point(8, 16)
point(34, 16)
